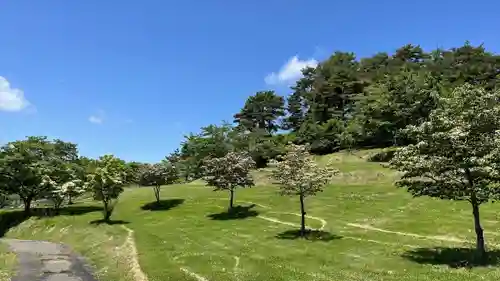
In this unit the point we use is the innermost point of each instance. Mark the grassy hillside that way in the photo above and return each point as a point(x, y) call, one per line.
point(367, 230)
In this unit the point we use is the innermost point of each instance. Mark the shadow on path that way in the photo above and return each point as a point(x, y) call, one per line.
point(311, 235)
point(452, 257)
point(236, 213)
point(163, 205)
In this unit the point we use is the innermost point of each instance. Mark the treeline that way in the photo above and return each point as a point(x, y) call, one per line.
point(344, 102)
point(38, 169)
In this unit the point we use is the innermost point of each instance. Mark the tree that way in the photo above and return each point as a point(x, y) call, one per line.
point(157, 175)
point(261, 111)
point(229, 172)
point(456, 154)
point(298, 174)
point(58, 192)
point(133, 170)
point(213, 141)
point(72, 189)
point(106, 182)
point(62, 182)
point(24, 164)
point(297, 106)
point(392, 103)
point(261, 146)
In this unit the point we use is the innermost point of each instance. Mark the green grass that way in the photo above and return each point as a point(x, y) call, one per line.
point(7, 263)
point(373, 231)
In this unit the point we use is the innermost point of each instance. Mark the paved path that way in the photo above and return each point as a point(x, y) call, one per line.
point(46, 261)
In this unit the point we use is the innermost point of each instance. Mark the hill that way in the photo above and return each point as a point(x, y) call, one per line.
point(366, 230)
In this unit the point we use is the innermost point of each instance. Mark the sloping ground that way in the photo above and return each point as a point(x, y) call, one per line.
point(366, 229)
point(7, 262)
point(103, 245)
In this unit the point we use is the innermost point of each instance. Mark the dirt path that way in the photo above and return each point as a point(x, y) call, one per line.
point(134, 260)
point(46, 261)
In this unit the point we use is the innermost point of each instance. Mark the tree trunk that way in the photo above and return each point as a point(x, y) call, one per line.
point(57, 206)
point(157, 193)
point(231, 199)
point(303, 217)
point(481, 250)
point(27, 205)
point(70, 200)
point(107, 213)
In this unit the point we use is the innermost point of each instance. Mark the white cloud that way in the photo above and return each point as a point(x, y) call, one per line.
point(290, 72)
point(11, 99)
point(95, 119)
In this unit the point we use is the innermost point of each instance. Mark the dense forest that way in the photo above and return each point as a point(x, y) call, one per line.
point(344, 103)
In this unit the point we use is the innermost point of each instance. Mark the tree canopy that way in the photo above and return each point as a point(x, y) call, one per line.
point(157, 175)
point(106, 181)
point(27, 166)
point(229, 172)
point(261, 111)
point(456, 152)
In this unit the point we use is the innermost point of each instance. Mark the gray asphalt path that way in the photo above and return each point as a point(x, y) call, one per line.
point(47, 261)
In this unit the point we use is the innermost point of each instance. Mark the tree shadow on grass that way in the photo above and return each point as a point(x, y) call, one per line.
point(108, 222)
point(452, 257)
point(78, 210)
point(236, 213)
point(311, 235)
point(13, 218)
point(163, 205)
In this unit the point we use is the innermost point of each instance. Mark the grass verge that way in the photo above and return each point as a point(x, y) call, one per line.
point(7, 262)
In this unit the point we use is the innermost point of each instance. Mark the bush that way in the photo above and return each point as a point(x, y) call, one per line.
point(385, 155)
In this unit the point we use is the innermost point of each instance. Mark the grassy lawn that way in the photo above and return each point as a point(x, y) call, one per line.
point(368, 230)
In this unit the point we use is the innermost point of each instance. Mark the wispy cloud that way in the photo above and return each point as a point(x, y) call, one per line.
point(97, 118)
point(11, 99)
point(290, 72)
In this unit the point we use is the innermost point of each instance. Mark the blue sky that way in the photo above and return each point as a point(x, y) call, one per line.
point(132, 77)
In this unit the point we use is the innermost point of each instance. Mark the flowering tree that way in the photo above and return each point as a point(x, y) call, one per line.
point(229, 172)
point(157, 175)
point(457, 152)
point(57, 192)
point(106, 182)
point(62, 182)
point(298, 174)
